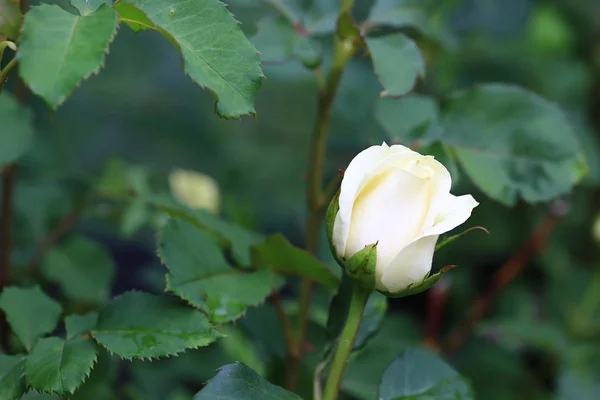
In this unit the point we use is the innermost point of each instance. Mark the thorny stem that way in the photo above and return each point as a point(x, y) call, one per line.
point(503, 277)
point(66, 224)
point(8, 184)
point(286, 323)
point(344, 48)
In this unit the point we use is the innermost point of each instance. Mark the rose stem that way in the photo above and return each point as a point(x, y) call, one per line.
point(342, 52)
point(9, 177)
point(346, 343)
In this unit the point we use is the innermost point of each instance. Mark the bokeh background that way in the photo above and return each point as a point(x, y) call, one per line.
point(143, 112)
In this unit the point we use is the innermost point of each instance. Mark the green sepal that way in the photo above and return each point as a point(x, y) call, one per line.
point(427, 282)
point(450, 239)
point(362, 266)
point(330, 215)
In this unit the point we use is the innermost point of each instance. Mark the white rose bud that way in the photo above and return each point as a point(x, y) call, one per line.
point(195, 190)
point(398, 202)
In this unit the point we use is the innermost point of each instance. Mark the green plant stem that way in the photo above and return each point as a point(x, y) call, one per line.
point(346, 343)
point(284, 10)
point(4, 72)
point(583, 316)
point(344, 48)
point(3, 45)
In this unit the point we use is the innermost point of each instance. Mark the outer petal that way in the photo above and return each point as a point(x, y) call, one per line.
point(389, 210)
point(414, 261)
point(453, 211)
point(340, 234)
point(355, 176)
point(411, 265)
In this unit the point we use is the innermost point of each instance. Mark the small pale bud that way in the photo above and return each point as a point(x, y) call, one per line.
point(195, 190)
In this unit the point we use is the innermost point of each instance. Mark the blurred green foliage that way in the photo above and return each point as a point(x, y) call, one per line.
point(127, 127)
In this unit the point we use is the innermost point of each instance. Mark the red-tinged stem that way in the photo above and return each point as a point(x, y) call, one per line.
point(502, 278)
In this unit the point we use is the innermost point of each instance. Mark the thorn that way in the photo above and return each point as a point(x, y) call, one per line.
point(308, 347)
point(481, 228)
point(447, 268)
point(300, 29)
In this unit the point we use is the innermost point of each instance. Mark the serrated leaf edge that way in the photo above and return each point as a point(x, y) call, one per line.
point(205, 311)
point(167, 355)
point(105, 52)
point(86, 375)
point(261, 74)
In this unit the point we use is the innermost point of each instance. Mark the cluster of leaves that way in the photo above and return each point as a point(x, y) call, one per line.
point(512, 143)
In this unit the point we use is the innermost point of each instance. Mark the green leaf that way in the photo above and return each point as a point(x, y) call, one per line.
point(397, 62)
point(398, 13)
point(512, 143)
point(420, 375)
point(277, 41)
point(83, 269)
point(421, 15)
point(408, 119)
point(135, 216)
point(137, 20)
point(12, 384)
point(274, 39)
point(141, 325)
point(238, 346)
point(277, 254)
point(321, 18)
point(86, 7)
point(308, 51)
point(235, 380)
point(366, 367)
point(80, 324)
point(33, 395)
point(60, 366)
point(100, 384)
point(238, 239)
point(199, 273)
point(372, 318)
point(265, 330)
point(58, 50)
point(17, 129)
point(30, 313)
point(215, 52)
point(375, 310)
point(513, 333)
point(10, 19)
point(290, 9)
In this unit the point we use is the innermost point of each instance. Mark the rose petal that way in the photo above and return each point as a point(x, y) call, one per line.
point(414, 261)
point(452, 211)
point(353, 177)
point(411, 265)
point(390, 210)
